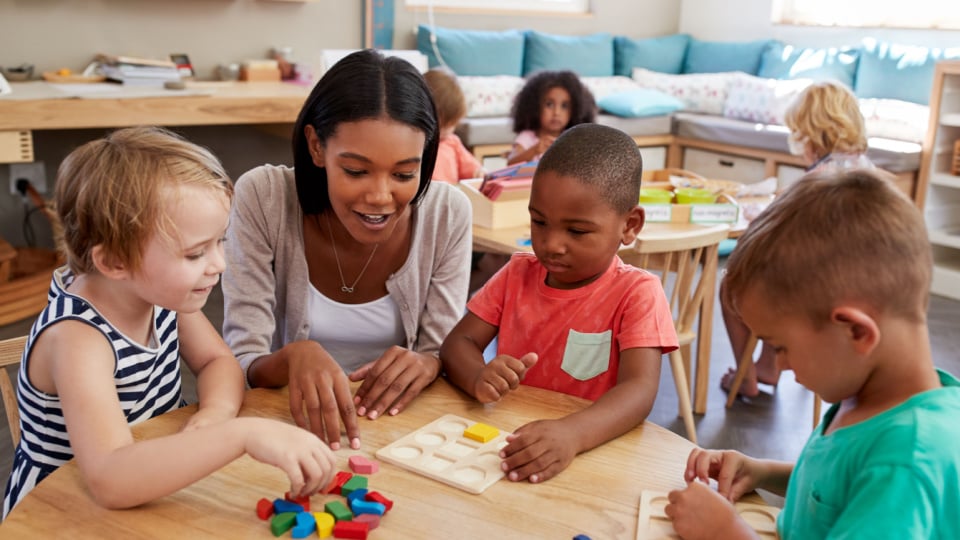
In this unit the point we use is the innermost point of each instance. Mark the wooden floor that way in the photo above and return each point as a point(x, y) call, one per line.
point(774, 425)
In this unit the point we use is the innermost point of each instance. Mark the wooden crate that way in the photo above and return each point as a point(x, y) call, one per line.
point(510, 210)
point(955, 168)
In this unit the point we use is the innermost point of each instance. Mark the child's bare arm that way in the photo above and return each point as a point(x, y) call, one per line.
point(737, 474)
point(518, 154)
point(698, 513)
point(541, 449)
point(220, 382)
point(120, 472)
point(462, 351)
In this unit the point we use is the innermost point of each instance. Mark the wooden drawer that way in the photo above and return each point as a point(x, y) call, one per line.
point(723, 166)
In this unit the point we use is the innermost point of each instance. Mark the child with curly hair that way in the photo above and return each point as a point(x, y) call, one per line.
point(549, 103)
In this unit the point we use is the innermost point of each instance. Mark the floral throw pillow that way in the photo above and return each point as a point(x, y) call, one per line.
point(895, 119)
point(699, 92)
point(602, 87)
point(489, 95)
point(758, 99)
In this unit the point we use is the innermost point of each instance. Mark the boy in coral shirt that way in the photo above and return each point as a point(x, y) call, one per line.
point(572, 317)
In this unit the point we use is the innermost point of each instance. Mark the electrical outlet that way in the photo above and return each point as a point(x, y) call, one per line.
point(35, 172)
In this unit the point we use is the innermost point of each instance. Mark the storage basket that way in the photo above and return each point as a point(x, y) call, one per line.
point(955, 167)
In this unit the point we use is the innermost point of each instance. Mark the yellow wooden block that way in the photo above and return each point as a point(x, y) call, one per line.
point(481, 432)
point(325, 523)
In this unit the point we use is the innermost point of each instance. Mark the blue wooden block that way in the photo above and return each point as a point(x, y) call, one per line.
point(360, 506)
point(305, 526)
point(357, 494)
point(581, 537)
point(280, 506)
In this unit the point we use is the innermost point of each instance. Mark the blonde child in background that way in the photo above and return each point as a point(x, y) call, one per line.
point(143, 214)
point(549, 103)
point(570, 317)
point(828, 130)
point(835, 276)
point(454, 161)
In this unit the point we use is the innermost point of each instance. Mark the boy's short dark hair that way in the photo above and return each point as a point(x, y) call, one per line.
point(848, 236)
point(599, 156)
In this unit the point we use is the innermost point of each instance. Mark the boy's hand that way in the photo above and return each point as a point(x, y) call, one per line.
point(538, 451)
point(735, 473)
point(700, 512)
point(501, 375)
point(306, 460)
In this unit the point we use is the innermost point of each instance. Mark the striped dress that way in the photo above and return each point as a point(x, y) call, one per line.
point(147, 381)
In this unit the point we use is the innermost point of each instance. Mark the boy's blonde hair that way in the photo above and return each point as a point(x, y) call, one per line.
point(111, 191)
point(833, 238)
point(827, 116)
point(447, 96)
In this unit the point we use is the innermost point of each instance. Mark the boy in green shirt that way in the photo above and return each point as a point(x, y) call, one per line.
point(835, 274)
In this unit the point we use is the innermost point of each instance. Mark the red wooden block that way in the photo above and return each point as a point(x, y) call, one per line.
point(264, 509)
point(302, 501)
point(351, 529)
point(338, 481)
point(362, 465)
point(376, 496)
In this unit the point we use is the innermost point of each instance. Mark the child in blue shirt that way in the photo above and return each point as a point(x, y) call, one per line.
point(835, 275)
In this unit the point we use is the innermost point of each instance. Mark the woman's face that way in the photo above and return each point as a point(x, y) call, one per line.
point(373, 172)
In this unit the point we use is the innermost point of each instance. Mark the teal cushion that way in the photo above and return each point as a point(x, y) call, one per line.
point(474, 52)
point(895, 71)
point(664, 54)
point(640, 102)
point(720, 56)
point(781, 61)
point(587, 56)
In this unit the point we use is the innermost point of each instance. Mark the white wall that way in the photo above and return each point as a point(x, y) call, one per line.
point(738, 20)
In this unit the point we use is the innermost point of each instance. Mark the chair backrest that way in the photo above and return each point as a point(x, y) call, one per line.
point(11, 351)
point(682, 257)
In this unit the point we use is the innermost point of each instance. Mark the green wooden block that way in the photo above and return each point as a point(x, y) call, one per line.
point(338, 511)
point(355, 482)
point(282, 522)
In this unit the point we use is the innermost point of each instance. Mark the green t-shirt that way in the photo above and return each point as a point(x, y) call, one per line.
point(896, 475)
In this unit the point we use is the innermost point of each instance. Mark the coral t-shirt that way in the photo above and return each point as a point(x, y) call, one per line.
point(578, 334)
point(454, 161)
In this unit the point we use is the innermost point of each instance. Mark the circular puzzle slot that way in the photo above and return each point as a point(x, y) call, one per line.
point(489, 459)
point(430, 439)
point(453, 426)
point(658, 504)
point(470, 475)
point(757, 518)
point(405, 452)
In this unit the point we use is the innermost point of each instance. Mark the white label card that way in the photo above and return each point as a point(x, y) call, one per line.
point(713, 213)
point(656, 213)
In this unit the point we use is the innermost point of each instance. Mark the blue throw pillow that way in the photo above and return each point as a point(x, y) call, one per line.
point(781, 61)
point(587, 56)
point(640, 102)
point(474, 52)
point(895, 71)
point(721, 56)
point(664, 54)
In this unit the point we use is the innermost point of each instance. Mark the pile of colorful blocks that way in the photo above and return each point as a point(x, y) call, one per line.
point(360, 515)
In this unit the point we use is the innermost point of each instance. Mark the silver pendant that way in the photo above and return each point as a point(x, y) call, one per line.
point(346, 289)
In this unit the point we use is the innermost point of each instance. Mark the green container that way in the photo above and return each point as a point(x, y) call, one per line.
point(655, 196)
point(695, 196)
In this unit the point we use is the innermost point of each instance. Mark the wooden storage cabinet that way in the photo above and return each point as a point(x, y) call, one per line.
point(940, 187)
point(724, 166)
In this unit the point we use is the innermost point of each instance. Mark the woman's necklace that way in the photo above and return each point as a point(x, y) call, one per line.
point(336, 257)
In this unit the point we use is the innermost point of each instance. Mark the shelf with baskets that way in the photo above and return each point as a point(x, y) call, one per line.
point(940, 177)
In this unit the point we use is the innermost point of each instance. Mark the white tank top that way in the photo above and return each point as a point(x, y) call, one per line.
point(355, 334)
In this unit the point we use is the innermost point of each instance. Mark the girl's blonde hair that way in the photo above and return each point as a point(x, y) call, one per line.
point(826, 115)
point(447, 96)
point(111, 192)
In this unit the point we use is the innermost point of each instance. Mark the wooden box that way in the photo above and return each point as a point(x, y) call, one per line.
point(260, 70)
point(725, 210)
point(510, 210)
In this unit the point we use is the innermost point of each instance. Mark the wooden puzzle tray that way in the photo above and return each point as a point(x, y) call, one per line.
point(653, 523)
point(440, 451)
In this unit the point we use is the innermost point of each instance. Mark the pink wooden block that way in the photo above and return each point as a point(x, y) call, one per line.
point(362, 465)
point(372, 520)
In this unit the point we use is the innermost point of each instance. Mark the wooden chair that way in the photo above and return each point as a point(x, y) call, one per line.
point(11, 351)
point(687, 264)
point(743, 364)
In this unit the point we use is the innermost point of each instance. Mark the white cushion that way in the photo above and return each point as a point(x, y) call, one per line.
point(489, 95)
point(758, 99)
point(895, 119)
point(700, 92)
point(602, 87)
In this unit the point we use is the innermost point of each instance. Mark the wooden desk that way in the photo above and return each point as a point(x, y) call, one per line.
point(34, 106)
point(598, 495)
point(505, 241)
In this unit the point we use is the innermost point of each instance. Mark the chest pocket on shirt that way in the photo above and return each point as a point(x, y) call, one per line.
point(586, 355)
point(820, 513)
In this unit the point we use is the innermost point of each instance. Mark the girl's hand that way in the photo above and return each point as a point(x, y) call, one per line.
point(501, 375)
point(207, 416)
point(538, 451)
point(736, 474)
point(319, 387)
point(393, 380)
point(699, 512)
point(306, 460)
point(545, 142)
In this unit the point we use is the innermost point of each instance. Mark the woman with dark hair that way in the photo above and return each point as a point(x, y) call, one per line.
point(346, 267)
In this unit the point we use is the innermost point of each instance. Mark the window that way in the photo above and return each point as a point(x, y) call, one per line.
point(541, 6)
point(931, 14)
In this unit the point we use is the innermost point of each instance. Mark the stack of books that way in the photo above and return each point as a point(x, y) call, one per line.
point(131, 70)
point(517, 177)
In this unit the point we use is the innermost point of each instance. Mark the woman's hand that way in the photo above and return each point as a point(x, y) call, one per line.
point(393, 380)
point(320, 394)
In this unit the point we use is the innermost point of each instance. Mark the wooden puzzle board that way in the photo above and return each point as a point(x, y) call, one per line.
point(653, 523)
point(439, 450)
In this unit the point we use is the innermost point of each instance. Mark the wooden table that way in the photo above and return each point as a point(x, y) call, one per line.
point(597, 495)
point(507, 241)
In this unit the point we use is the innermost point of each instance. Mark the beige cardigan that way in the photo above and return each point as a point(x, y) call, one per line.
point(266, 281)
